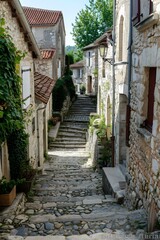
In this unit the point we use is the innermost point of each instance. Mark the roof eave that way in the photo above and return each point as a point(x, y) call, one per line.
point(22, 18)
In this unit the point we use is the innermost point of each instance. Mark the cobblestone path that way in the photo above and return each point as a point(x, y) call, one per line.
point(68, 202)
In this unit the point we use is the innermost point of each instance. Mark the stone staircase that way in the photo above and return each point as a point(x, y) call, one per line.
point(72, 132)
point(67, 201)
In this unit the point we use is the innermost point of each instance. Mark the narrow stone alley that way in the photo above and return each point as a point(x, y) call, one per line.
point(67, 201)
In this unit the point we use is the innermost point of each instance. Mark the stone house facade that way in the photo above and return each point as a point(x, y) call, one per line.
point(121, 80)
point(104, 95)
point(91, 68)
point(78, 75)
point(49, 31)
point(144, 150)
point(18, 28)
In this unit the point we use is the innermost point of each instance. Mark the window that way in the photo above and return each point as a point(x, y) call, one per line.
point(151, 7)
point(26, 86)
point(135, 11)
point(139, 14)
point(151, 87)
point(89, 59)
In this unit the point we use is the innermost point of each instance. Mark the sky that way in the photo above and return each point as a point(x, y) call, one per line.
point(69, 8)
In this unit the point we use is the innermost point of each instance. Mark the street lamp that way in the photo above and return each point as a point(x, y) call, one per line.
point(103, 49)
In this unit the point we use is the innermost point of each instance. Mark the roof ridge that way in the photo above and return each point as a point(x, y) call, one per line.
point(42, 9)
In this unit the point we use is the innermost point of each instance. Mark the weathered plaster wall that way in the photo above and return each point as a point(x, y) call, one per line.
point(121, 79)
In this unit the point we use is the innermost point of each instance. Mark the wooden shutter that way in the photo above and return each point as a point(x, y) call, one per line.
point(151, 6)
point(26, 86)
point(128, 114)
point(151, 87)
point(135, 11)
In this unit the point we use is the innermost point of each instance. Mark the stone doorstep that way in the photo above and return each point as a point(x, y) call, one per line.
point(14, 209)
point(113, 181)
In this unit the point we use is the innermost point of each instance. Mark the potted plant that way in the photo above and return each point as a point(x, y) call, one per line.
point(7, 192)
point(24, 184)
point(82, 89)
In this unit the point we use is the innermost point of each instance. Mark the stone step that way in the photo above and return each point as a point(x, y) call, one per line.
point(70, 193)
point(66, 139)
point(73, 128)
point(109, 235)
point(71, 134)
point(66, 143)
point(66, 146)
point(69, 199)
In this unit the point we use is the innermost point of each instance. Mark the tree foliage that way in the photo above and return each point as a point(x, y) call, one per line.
point(92, 22)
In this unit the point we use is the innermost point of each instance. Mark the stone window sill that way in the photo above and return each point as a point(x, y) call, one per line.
point(144, 133)
point(147, 22)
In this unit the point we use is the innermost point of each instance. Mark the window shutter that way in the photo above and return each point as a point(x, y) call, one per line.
point(151, 87)
point(151, 6)
point(135, 11)
point(128, 114)
point(26, 86)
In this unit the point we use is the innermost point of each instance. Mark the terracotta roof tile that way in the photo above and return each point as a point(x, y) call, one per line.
point(36, 16)
point(43, 87)
point(48, 53)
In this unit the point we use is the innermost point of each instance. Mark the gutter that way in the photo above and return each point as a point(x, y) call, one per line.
point(113, 85)
point(128, 110)
point(19, 11)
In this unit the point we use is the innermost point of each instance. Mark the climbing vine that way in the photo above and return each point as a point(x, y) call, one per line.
point(11, 114)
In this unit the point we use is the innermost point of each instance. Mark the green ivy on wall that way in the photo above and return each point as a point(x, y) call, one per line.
point(11, 113)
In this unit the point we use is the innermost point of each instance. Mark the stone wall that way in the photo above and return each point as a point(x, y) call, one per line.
point(19, 40)
point(121, 79)
point(144, 153)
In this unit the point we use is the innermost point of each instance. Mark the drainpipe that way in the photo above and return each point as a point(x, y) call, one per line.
point(113, 85)
point(41, 108)
point(130, 53)
point(129, 75)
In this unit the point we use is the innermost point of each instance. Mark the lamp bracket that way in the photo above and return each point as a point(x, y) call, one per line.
point(110, 60)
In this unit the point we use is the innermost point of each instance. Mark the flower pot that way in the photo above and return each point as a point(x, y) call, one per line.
point(24, 187)
point(7, 199)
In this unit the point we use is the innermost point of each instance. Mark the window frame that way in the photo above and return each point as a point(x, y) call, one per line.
point(150, 106)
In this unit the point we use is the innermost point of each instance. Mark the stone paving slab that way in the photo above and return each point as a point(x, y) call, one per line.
point(98, 236)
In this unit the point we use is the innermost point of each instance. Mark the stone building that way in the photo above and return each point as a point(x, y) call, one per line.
point(19, 29)
point(144, 150)
point(91, 68)
point(78, 74)
point(121, 80)
point(104, 94)
point(49, 31)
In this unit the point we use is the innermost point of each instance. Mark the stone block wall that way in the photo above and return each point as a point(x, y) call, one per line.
point(144, 152)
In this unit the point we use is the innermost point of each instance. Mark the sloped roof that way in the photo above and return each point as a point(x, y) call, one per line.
point(43, 87)
point(90, 46)
point(79, 64)
point(37, 16)
point(48, 53)
point(25, 27)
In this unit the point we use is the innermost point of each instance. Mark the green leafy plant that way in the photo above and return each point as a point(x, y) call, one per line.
point(12, 123)
point(6, 186)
